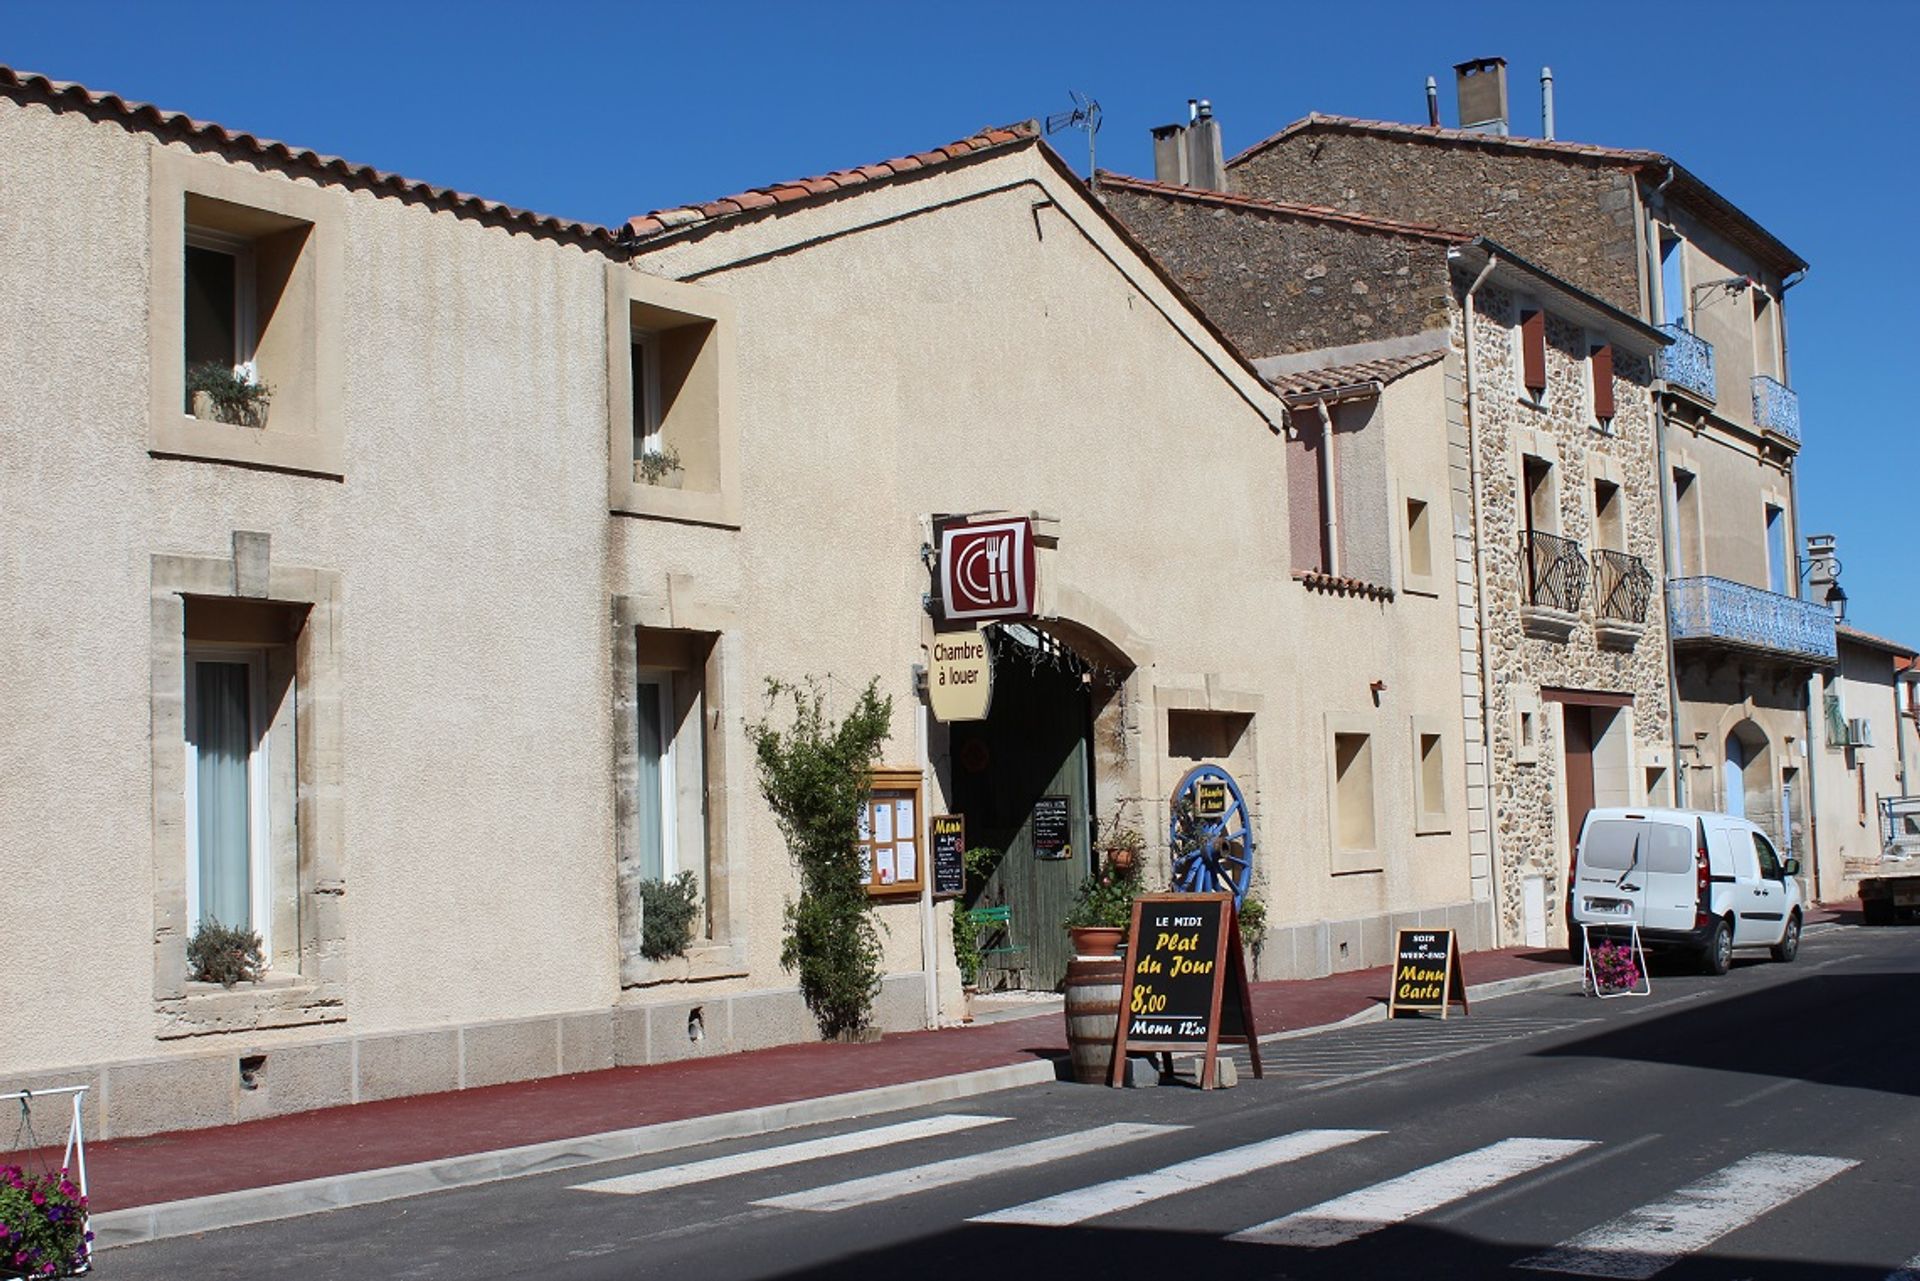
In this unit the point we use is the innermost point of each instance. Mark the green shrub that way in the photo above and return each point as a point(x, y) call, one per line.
point(668, 910)
point(225, 954)
point(657, 464)
point(966, 945)
point(814, 775)
point(1106, 898)
point(235, 394)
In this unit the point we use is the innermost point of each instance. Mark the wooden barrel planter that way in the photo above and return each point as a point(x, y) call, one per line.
point(1093, 1006)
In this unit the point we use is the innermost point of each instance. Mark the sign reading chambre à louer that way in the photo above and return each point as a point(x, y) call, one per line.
point(960, 676)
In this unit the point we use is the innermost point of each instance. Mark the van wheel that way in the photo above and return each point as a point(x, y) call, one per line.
point(1718, 958)
point(1789, 945)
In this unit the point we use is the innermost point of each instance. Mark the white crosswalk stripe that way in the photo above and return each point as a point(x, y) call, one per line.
point(1120, 1194)
point(723, 1167)
point(940, 1174)
point(1424, 1190)
point(1643, 1242)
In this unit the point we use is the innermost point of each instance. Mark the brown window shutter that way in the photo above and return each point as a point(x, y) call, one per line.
point(1533, 346)
point(1603, 381)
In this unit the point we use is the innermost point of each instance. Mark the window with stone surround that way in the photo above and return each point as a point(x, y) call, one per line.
point(1689, 555)
point(244, 274)
point(1598, 371)
point(1351, 802)
point(1430, 811)
point(671, 770)
point(672, 439)
point(1530, 354)
point(1340, 521)
point(246, 778)
point(1418, 555)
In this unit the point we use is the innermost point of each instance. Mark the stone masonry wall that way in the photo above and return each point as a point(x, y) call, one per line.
point(1575, 218)
point(1279, 284)
point(1528, 798)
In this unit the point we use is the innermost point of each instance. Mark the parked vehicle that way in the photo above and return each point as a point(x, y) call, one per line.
point(1692, 881)
point(1889, 889)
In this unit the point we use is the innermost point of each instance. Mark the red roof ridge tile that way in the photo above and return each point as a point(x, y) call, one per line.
point(795, 190)
point(29, 85)
point(1288, 208)
point(1381, 369)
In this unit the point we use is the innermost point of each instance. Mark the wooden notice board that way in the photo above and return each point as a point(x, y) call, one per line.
point(1186, 985)
point(948, 835)
point(892, 854)
point(1426, 974)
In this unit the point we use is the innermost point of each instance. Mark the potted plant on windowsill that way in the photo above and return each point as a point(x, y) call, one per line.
point(659, 467)
point(228, 394)
point(225, 954)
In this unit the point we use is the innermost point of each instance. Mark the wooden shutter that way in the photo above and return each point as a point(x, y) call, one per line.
point(1533, 349)
point(1602, 370)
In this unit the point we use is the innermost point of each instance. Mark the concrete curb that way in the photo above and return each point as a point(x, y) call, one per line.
point(365, 1187)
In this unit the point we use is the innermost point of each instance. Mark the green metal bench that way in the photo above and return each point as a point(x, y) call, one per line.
point(999, 920)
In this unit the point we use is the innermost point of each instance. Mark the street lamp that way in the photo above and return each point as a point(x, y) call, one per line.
point(1821, 565)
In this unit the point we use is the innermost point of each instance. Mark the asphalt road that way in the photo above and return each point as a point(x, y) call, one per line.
point(1761, 1125)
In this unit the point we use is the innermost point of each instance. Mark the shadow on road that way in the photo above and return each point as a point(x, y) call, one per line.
point(973, 1251)
point(1845, 1030)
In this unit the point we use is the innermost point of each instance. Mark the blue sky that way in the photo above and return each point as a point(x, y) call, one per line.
point(1799, 113)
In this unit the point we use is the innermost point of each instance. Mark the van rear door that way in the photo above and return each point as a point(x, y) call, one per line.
point(1668, 874)
point(1607, 884)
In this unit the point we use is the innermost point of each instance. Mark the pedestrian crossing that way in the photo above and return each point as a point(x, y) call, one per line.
point(1641, 1243)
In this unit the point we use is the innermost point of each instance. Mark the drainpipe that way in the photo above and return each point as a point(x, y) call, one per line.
point(1669, 526)
point(1812, 745)
point(1329, 488)
point(1480, 577)
point(929, 936)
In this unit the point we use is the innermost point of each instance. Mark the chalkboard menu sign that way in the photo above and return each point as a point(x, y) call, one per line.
point(1052, 828)
point(1426, 974)
point(948, 832)
point(1186, 984)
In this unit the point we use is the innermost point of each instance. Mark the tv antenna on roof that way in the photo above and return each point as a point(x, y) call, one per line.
point(1085, 115)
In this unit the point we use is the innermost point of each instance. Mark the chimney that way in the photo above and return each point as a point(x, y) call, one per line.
point(1546, 103)
point(1482, 85)
point(1191, 155)
point(1433, 103)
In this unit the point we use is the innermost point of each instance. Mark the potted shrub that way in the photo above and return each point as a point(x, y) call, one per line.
point(43, 1225)
point(228, 394)
point(224, 954)
point(1102, 910)
point(668, 910)
point(660, 466)
point(1614, 969)
point(1123, 847)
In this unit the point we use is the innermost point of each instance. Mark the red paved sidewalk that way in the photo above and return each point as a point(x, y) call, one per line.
point(368, 1136)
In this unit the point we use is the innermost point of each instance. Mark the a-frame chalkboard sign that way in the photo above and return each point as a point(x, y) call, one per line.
point(1426, 974)
point(1186, 985)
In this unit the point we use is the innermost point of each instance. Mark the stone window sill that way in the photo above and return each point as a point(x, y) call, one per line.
point(1543, 623)
point(703, 963)
point(666, 502)
point(1614, 633)
point(278, 1001)
point(1433, 825)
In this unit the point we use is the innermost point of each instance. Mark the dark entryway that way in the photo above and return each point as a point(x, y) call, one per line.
point(1033, 745)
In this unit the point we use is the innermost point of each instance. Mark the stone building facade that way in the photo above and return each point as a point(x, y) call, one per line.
point(1591, 663)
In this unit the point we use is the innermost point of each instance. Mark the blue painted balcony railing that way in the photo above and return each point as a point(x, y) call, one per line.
point(1776, 408)
point(1688, 362)
point(1720, 611)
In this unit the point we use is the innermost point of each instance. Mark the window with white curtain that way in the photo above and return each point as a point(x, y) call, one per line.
point(227, 833)
point(654, 786)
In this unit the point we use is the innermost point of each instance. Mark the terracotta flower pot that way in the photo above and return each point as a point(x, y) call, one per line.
point(1096, 940)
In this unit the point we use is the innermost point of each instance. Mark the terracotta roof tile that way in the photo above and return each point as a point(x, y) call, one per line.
point(27, 86)
point(795, 190)
point(1309, 382)
point(1284, 208)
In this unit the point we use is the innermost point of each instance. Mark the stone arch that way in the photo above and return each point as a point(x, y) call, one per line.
point(1747, 784)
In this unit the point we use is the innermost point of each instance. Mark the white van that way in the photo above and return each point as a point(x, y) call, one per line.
point(1705, 883)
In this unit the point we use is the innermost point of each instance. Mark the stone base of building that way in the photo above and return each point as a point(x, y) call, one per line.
point(253, 1079)
point(1316, 948)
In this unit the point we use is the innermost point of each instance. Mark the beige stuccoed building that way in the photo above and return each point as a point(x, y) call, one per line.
point(425, 670)
point(1865, 754)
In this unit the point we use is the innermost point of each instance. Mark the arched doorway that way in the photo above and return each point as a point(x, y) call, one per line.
point(1746, 774)
point(1025, 780)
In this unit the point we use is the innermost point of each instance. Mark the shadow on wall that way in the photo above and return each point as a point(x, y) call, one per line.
point(967, 1253)
point(1842, 1034)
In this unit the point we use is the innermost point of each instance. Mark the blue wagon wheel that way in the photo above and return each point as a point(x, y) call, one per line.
point(1211, 854)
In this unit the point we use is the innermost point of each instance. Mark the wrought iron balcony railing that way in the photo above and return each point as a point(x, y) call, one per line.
point(1556, 571)
point(1688, 363)
point(1718, 611)
point(1776, 408)
point(1621, 586)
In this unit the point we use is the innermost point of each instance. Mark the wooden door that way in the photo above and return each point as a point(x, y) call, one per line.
point(1577, 765)
point(1034, 744)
